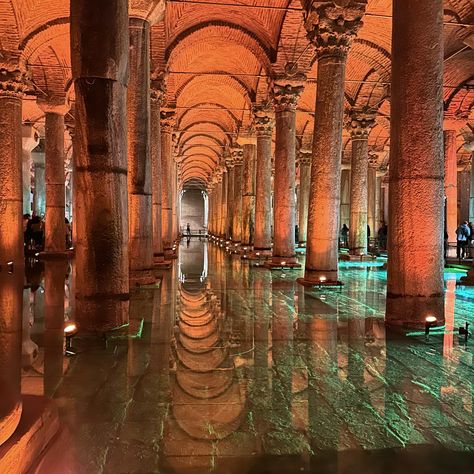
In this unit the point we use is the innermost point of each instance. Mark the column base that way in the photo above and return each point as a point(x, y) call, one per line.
point(171, 254)
point(53, 255)
point(320, 284)
point(142, 277)
point(302, 245)
point(282, 262)
point(260, 254)
point(467, 280)
point(347, 257)
point(320, 278)
point(410, 312)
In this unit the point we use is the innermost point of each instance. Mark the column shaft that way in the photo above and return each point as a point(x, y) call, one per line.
point(471, 191)
point(55, 227)
point(371, 196)
point(166, 189)
point(451, 183)
point(305, 175)
point(248, 195)
point(237, 205)
point(415, 270)
point(230, 202)
point(100, 69)
point(225, 182)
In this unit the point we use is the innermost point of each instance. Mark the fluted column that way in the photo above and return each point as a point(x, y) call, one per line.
point(55, 227)
point(263, 123)
point(30, 140)
point(451, 183)
point(330, 28)
point(415, 286)
point(100, 70)
point(12, 88)
point(360, 124)
point(155, 138)
point(248, 195)
point(285, 95)
point(167, 127)
point(237, 156)
point(304, 159)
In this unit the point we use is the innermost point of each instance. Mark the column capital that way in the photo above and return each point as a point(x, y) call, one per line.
point(151, 11)
point(359, 122)
point(373, 160)
point(304, 157)
point(54, 106)
point(30, 137)
point(332, 25)
point(13, 82)
point(168, 119)
point(237, 156)
point(263, 119)
point(158, 87)
point(286, 93)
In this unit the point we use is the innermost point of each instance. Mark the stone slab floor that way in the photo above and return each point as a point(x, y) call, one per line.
point(231, 368)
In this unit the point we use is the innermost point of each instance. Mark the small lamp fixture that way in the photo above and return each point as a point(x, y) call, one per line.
point(10, 267)
point(430, 321)
point(70, 330)
point(322, 279)
point(283, 263)
point(464, 331)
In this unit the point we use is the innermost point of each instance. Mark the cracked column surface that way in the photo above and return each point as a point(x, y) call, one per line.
point(415, 286)
point(12, 88)
point(55, 227)
point(331, 29)
point(285, 96)
point(11, 310)
point(155, 126)
point(100, 72)
point(360, 124)
point(264, 123)
point(237, 155)
point(139, 157)
point(304, 159)
point(248, 195)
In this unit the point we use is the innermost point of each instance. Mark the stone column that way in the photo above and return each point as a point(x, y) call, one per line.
point(345, 195)
point(237, 156)
point(371, 197)
point(30, 140)
point(219, 202)
point(39, 191)
point(331, 29)
point(230, 196)
point(55, 227)
point(11, 304)
point(360, 124)
point(285, 95)
point(225, 182)
point(174, 200)
point(155, 135)
point(139, 157)
point(167, 126)
point(415, 286)
point(464, 184)
point(248, 195)
point(450, 183)
point(100, 70)
point(304, 158)
point(470, 147)
point(263, 123)
point(12, 88)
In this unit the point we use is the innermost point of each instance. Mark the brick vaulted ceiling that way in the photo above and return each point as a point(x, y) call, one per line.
point(219, 56)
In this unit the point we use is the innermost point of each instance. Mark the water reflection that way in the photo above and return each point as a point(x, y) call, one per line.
point(232, 368)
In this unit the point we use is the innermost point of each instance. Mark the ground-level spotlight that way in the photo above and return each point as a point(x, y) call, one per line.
point(10, 267)
point(70, 330)
point(430, 321)
point(322, 279)
point(464, 331)
point(283, 264)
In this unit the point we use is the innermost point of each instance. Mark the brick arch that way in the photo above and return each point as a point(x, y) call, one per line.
point(196, 108)
point(10, 29)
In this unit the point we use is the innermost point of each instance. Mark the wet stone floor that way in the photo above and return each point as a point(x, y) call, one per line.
point(232, 368)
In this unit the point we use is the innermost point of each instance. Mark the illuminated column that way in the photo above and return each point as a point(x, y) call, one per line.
point(167, 127)
point(55, 227)
point(229, 162)
point(304, 158)
point(100, 71)
point(345, 195)
point(174, 200)
point(372, 195)
point(155, 138)
point(470, 147)
point(263, 122)
point(140, 221)
point(30, 140)
point(224, 204)
point(285, 97)
point(451, 183)
point(248, 195)
point(11, 303)
point(220, 196)
point(331, 29)
point(415, 286)
point(464, 183)
point(39, 192)
point(12, 89)
point(360, 124)
point(237, 156)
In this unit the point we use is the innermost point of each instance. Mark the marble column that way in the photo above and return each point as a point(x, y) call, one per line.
point(415, 287)
point(248, 195)
point(219, 202)
point(450, 183)
point(167, 126)
point(471, 188)
point(345, 195)
point(285, 96)
point(11, 304)
point(304, 159)
point(371, 199)
point(237, 156)
point(225, 182)
point(155, 134)
point(139, 157)
point(331, 29)
point(230, 196)
point(360, 124)
point(55, 227)
point(12, 88)
point(263, 123)
point(174, 201)
point(30, 140)
point(100, 70)
point(463, 184)
point(39, 191)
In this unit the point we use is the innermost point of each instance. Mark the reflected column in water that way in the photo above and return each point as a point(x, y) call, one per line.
point(11, 301)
